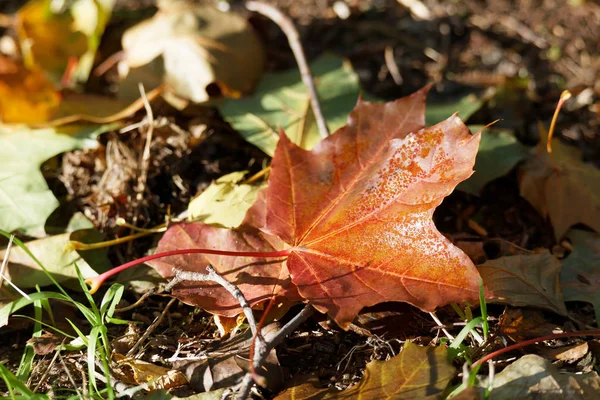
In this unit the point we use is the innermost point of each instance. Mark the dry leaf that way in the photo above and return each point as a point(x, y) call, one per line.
point(549, 182)
point(155, 376)
point(199, 46)
point(525, 280)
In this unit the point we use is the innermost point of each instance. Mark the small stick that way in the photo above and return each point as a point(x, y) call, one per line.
point(392, 66)
point(145, 162)
point(287, 26)
point(151, 328)
point(260, 355)
point(213, 276)
point(442, 326)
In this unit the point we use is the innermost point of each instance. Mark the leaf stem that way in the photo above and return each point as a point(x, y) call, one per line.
point(97, 281)
point(494, 354)
point(564, 96)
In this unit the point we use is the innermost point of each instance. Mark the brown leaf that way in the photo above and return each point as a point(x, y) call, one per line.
point(520, 324)
point(196, 45)
point(532, 377)
point(357, 210)
point(525, 280)
point(155, 376)
point(548, 182)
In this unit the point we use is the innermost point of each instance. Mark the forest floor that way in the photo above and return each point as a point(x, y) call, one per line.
point(517, 56)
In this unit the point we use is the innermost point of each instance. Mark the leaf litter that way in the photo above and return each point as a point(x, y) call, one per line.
point(188, 154)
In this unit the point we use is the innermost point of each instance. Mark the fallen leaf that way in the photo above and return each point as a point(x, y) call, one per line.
point(281, 101)
point(46, 343)
point(199, 46)
point(568, 354)
point(580, 275)
point(259, 279)
point(499, 152)
point(548, 183)
point(521, 324)
point(533, 377)
point(25, 198)
point(52, 253)
point(356, 210)
point(416, 373)
point(26, 96)
point(52, 37)
point(525, 280)
point(225, 202)
point(155, 376)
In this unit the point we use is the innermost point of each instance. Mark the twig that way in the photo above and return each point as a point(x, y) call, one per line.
point(142, 178)
point(68, 373)
point(213, 276)
point(259, 355)
point(151, 328)
point(47, 371)
point(392, 66)
point(287, 26)
point(262, 347)
point(442, 326)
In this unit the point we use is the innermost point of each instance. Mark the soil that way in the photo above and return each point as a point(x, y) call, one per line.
point(528, 50)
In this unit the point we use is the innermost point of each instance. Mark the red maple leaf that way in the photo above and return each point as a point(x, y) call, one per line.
point(355, 214)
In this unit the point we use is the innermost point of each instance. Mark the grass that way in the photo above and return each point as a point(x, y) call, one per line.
point(96, 340)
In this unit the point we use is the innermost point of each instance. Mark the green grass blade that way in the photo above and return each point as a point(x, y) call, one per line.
point(483, 306)
point(464, 332)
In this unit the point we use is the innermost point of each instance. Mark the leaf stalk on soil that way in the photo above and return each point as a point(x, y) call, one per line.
point(595, 332)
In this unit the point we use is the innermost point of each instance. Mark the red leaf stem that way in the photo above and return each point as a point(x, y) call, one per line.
point(97, 281)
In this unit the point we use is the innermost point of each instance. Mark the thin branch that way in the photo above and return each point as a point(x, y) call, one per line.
point(287, 26)
point(261, 353)
point(213, 276)
point(145, 162)
point(151, 328)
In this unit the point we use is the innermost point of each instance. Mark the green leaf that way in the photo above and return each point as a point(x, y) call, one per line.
point(224, 202)
point(25, 199)
point(580, 275)
point(281, 101)
point(466, 107)
point(499, 152)
point(24, 272)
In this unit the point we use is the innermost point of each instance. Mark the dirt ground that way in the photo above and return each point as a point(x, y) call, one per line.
point(530, 50)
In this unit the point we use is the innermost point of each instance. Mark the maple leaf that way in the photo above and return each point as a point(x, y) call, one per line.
point(259, 278)
point(357, 210)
